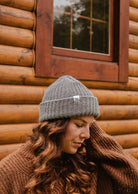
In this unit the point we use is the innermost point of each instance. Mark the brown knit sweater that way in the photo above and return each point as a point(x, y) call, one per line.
point(117, 171)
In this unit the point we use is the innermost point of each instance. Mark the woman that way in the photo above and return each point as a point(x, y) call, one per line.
point(68, 152)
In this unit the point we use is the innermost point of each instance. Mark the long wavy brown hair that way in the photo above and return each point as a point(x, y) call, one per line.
point(54, 171)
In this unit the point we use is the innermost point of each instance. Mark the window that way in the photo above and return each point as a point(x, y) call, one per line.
point(78, 24)
point(84, 38)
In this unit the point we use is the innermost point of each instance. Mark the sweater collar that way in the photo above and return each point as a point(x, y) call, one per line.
point(26, 150)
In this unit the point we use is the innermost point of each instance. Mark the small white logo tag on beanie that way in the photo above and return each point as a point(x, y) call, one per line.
point(76, 98)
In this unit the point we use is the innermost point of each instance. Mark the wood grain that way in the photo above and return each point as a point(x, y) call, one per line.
point(15, 17)
point(133, 55)
point(127, 141)
point(17, 37)
point(16, 56)
point(14, 94)
point(22, 4)
point(26, 76)
point(133, 41)
point(133, 69)
point(133, 14)
point(15, 133)
point(133, 27)
point(134, 3)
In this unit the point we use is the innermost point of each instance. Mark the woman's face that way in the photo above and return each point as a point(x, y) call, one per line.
point(78, 129)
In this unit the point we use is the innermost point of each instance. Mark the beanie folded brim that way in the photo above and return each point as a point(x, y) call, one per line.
point(69, 107)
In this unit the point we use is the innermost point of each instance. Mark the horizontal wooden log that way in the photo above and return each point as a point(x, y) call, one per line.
point(10, 114)
point(133, 27)
point(133, 3)
point(22, 4)
point(15, 17)
point(10, 94)
point(133, 41)
point(130, 85)
point(21, 75)
point(17, 37)
point(133, 55)
point(15, 133)
point(133, 69)
point(33, 95)
point(114, 97)
point(119, 127)
point(133, 14)
point(8, 149)
point(113, 112)
point(16, 56)
point(116, 112)
point(133, 152)
point(127, 141)
point(19, 114)
point(26, 76)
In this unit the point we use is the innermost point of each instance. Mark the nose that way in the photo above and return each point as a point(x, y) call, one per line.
point(85, 133)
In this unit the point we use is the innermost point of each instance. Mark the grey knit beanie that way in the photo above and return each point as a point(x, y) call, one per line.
point(67, 97)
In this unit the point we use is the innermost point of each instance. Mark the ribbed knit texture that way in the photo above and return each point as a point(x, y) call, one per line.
point(67, 97)
point(15, 170)
point(116, 171)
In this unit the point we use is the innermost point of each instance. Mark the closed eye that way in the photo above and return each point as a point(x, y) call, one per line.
point(79, 125)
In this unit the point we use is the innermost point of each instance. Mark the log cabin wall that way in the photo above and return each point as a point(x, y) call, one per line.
point(21, 91)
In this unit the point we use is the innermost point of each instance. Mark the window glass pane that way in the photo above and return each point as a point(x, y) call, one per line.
point(61, 34)
point(100, 9)
point(81, 7)
point(100, 45)
point(81, 34)
point(82, 25)
point(62, 5)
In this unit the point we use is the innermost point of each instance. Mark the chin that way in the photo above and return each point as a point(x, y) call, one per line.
point(71, 151)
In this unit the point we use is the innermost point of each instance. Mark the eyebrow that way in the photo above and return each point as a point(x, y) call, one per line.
point(79, 119)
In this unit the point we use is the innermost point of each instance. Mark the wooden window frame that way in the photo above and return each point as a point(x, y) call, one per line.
point(88, 54)
point(51, 63)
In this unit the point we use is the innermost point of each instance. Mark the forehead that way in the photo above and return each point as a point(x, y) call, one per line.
point(86, 119)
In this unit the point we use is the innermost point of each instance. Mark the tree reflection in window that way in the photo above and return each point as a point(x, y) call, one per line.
point(82, 25)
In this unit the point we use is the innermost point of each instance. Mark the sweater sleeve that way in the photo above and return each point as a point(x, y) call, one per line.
point(5, 185)
point(120, 166)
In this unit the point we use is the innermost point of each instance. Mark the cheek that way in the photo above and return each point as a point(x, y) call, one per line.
point(69, 135)
point(71, 131)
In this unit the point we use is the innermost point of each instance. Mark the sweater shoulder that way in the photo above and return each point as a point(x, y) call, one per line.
point(15, 170)
point(19, 161)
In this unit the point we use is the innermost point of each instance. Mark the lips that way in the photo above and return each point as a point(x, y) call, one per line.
point(78, 144)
